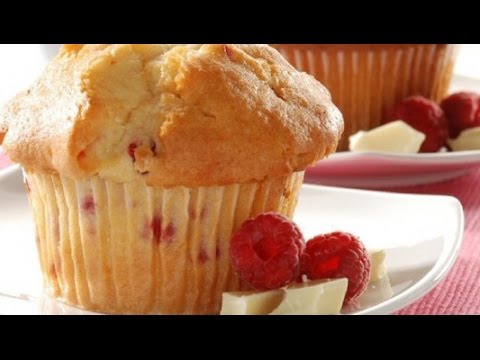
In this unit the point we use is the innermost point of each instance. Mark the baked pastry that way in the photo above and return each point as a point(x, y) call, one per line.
point(367, 80)
point(142, 160)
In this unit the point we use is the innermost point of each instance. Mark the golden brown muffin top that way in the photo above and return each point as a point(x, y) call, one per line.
point(176, 115)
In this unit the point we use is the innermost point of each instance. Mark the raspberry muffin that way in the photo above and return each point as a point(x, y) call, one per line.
point(142, 160)
point(367, 80)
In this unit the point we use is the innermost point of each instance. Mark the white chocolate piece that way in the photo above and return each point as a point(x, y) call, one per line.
point(396, 137)
point(468, 140)
point(314, 298)
point(251, 303)
point(379, 265)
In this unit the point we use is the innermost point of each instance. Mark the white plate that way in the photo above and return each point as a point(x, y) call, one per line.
point(422, 235)
point(383, 170)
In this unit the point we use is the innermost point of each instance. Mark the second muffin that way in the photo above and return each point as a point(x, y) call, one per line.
point(366, 80)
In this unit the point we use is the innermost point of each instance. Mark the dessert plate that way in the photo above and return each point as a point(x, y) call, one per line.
point(422, 236)
point(384, 170)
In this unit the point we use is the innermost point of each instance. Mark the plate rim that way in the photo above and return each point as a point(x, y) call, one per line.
point(9, 169)
point(450, 157)
point(374, 169)
point(418, 290)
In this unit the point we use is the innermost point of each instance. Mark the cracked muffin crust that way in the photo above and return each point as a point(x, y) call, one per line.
point(174, 115)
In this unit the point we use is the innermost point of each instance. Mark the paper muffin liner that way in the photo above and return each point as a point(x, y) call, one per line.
point(129, 248)
point(366, 81)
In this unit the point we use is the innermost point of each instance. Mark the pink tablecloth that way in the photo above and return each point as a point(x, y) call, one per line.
point(459, 293)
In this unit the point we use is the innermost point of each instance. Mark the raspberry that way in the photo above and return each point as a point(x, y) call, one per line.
point(338, 255)
point(425, 116)
point(266, 251)
point(160, 234)
point(462, 111)
point(89, 205)
point(228, 51)
point(131, 150)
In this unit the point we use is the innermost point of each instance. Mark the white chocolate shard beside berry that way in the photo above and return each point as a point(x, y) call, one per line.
point(468, 140)
point(251, 303)
point(323, 297)
point(379, 265)
point(395, 137)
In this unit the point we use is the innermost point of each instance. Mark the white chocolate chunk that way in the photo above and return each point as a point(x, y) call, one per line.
point(251, 303)
point(322, 297)
point(379, 265)
point(396, 137)
point(468, 140)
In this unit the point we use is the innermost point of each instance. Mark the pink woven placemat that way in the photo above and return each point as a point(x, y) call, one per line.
point(459, 293)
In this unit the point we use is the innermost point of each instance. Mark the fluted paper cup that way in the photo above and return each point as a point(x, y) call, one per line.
point(132, 249)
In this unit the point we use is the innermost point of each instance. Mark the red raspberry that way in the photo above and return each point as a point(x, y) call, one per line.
point(266, 251)
point(131, 150)
point(462, 111)
point(338, 255)
point(425, 116)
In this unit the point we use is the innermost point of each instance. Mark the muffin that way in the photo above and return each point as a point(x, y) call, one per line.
point(367, 80)
point(141, 161)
